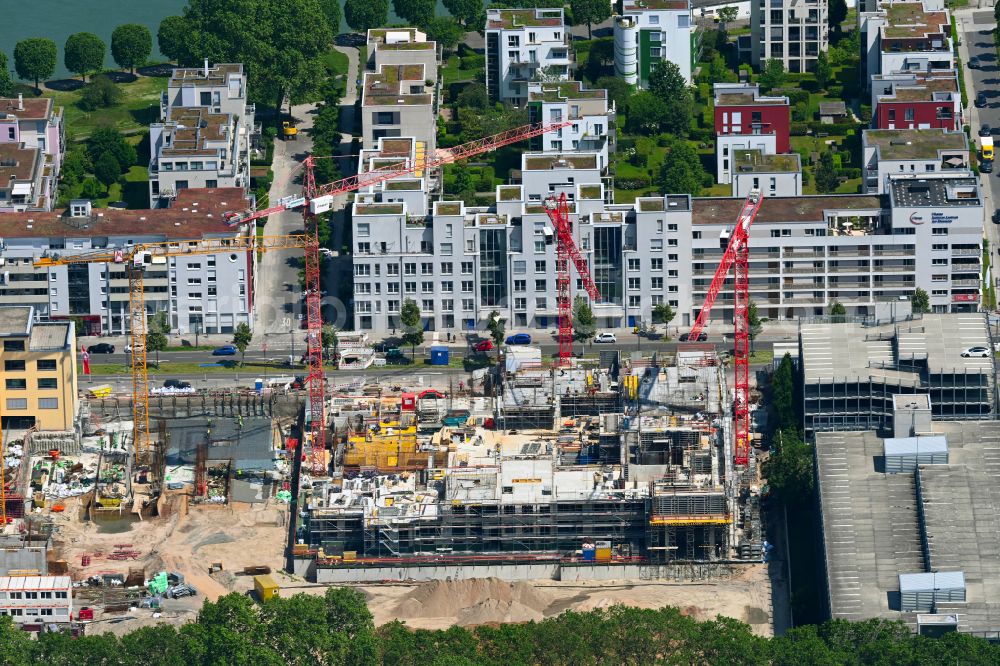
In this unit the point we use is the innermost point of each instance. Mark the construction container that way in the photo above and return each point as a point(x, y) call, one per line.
point(85, 614)
point(602, 551)
point(589, 553)
point(257, 570)
point(265, 587)
point(350, 555)
point(439, 356)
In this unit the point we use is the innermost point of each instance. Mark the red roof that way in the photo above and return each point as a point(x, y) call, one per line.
point(194, 214)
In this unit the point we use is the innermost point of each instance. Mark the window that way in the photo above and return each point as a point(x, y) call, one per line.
point(939, 277)
point(634, 301)
point(364, 248)
point(17, 403)
point(363, 288)
point(46, 595)
point(466, 268)
point(410, 287)
point(540, 285)
point(672, 289)
point(427, 287)
point(468, 286)
point(61, 595)
point(520, 285)
point(17, 384)
point(939, 246)
point(13, 345)
point(656, 264)
point(936, 231)
point(362, 270)
point(671, 242)
point(672, 274)
point(426, 269)
point(520, 267)
point(447, 249)
point(468, 304)
point(520, 303)
point(392, 288)
point(392, 270)
point(409, 269)
point(13, 366)
point(540, 266)
point(934, 262)
point(909, 114)
point(634, 283)
point(447, 287)
point(656, 244)
point(393, 306)
point(541, 303)
point(939, 292)
point(48, 383)
point(31, 595)
point(671, 257)
point(446, 268)
point(46, 364)
point(364, 229)
point(539, 247)
point(513, 40)
point(656, 283)
point(427, 305)
point(634, 264)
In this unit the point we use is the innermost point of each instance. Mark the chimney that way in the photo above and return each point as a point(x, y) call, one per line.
point(206, 68)
point(20, 101)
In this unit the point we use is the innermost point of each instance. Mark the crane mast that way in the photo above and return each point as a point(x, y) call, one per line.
point(737, 256)
point(558, 212)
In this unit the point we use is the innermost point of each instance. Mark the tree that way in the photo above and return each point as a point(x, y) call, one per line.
point(772, 74)
point(789, 469)
point(473, 96)
point(445, 32)
point(584, 321)
point(754, 323)
point(413, 330)
point(363, 15)
point(100, 93)
point(838, 12)
point(172, 38)
point(334, 14)
point(83, 53)
point(668, 84)
point(618, 90)
point(241, 339)
point(920, 302)
point(156, 334)
point(108, 139)
point(35, 59)
point(6, 85)
point(646, 113)
point(589, 12)
point(837, 311)
point(329, 337)
point(497, 328)
point(279, 42)
point(131, 45)
point(600, 58)
point(727, 15)
point(107, 169)
point(415, 12)
point(681, 172)
point(663, 313)
point(824, 71)
point(468, 12)
point(91, 189)
point(826, 175)
point(783, 396)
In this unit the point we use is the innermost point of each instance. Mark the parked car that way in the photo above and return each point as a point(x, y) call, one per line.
point(976, 352)
point(382, 347)
point(483, 346)
point(176, 384)
point(396, 356)
point(985, 130)
point(605, 337)
point(702, 337)
point(981, 100)
point(101, 348)
point(996, 218)
point(225, 350)
point(519, 339)
point(986, 166)
point(973, 63)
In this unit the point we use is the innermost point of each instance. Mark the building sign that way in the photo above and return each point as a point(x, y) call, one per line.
point(916, 218)
point(941, 218)
point(962, 298)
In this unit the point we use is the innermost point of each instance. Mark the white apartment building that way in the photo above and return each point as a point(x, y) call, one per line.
point(402, 46)
point(37, 600)
point(593, 125)
point(32, 145)
point(648, 31)
point(905, 37)
point(525, 45)
point(210, 293)
point(459, 263)
point(205, 135)
point(774, 175)
point(911, 152)
point(792, 31)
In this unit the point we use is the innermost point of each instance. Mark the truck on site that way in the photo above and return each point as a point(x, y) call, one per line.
point(986, 148)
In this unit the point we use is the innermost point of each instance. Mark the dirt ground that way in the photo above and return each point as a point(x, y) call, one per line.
point(187, 540)
point(745, 596)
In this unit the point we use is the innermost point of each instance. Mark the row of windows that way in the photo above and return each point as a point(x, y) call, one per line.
point(44, 594)
point(33, 612)
point(22, 403)
point(20, 384)
point(43, 365)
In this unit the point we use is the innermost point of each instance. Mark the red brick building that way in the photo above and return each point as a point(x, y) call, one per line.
point(916, 101)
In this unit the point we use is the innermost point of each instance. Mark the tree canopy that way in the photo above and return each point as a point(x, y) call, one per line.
point(590, 12)
point(363, 15)
point(415, 12)
point(35, 59)
point(337, 628)
point(413, 330)
point(84, 53)
point(668, 84)
point(444, 31)
point(241, 339)
point(772, 74)
point(131, 45)
point(682, 172)
point(584, 321)
point(497, 326)
point(334, 14)
point(6, 85)
point(468, 12)
point(172, 38)
point(920, 302)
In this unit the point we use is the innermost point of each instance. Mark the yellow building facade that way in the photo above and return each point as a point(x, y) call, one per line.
point(39, 387)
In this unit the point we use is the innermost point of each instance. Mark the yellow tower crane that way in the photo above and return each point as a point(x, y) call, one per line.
point(136, 258)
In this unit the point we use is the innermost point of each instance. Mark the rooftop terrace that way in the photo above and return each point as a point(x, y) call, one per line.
point(217, 75)
point(717, 210)
point(753, 161)
point(934, 192)
point(511, 19)
point(561, 161)
point(562, 90)
point(905, 144)
point(193, 128)
point(17, 163)
point(33, 108)
point(396, 84)
point(635, 6)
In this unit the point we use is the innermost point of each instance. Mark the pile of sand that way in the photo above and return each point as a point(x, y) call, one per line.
point(474, 601)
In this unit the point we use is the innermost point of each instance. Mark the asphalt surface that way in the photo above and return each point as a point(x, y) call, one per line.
point(977, 38)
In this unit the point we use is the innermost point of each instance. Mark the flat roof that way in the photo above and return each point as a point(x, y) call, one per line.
point(754, 161)
point(17, 163)
point(49, 336)
point(538, 162)
point(724, 210)
point(635, 6)
point(35, 582)
point(747, 99)
point(399, 39)
point(849, 351)
point(15, 320)
point(217, 75)
point(911, 144)
point(390, 85)
point(873, 530)
point(192, 127)
point(195, 213)
point(934, 192)
point(511, 19)
point(32, 108)
point(562, 90)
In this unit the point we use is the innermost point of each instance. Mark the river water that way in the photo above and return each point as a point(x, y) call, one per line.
point(58, 19)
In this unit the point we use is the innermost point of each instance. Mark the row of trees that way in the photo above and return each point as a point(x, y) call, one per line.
point(83, 53)
point(337, 629)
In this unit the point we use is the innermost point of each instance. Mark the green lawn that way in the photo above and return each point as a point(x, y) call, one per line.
point(452, 71)
point(134, 190)
point(763, 357)
point(140, 107)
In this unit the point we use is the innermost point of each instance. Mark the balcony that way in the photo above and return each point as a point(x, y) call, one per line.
point(902, 252)
point(966, 251)
point(810, 254)
point(802, 270)
point(863, 268)
point(965, 283)
point(853, 252)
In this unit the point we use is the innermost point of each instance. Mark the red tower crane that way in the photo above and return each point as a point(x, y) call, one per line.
point(558, 212)
point(737, 256)
point(317, 199)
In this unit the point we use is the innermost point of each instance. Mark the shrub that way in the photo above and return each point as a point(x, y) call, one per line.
point(100, 93)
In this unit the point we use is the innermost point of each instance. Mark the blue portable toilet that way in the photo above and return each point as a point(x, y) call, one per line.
point(258, 385)
point(439, 356)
